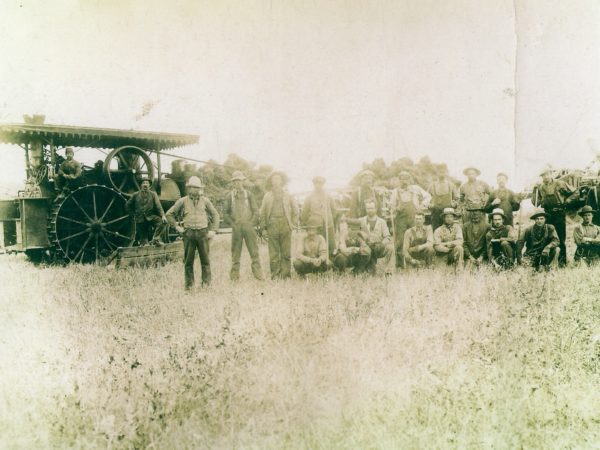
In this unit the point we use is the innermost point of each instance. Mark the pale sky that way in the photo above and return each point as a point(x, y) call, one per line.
point(316, 87)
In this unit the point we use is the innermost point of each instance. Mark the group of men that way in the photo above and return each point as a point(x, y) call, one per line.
point(355, 239)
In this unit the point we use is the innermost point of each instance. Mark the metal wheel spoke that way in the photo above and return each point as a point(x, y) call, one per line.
point(80, 252)
point(123, 182)
point(96, 247)
point(107, 209)
point(73, 235)
point(123, 160)
point(116, 220)
point(82, 210)
point(110, 246)
point(116, 233)
point(68, 219)
point(137, 185)
point(94, 202)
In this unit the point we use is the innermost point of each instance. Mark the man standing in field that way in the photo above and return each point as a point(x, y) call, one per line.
point(320, 206)
point(377, 236)
point(199, 223)
point(353, 250)
point(474, 232)
point(242, 210)
point(313, 254)
point(418, 243)
point(500, 240)
point(448, 240)
point(69, 172)
point(443, 195)
point(279, 216)
point(473, 193)
point(365, 193)
point(541, 242)
point(587, 237)
point(551, 195)
point(148, 214)
point(406, 200)
point(503, 198)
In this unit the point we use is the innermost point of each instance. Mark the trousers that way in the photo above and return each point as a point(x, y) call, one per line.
point(150, 228)
point(558, 218)
point(241, 233)
point(280, 248)
point(196, 240)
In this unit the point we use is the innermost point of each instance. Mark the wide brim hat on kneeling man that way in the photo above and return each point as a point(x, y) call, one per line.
point(451, 212)
point(498, 212)
point(538, 213)
point(586, 209)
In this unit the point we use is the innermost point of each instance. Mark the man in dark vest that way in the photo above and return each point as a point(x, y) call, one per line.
point(199, 224)
point(443, 195)
point(150, 219)
point(474, 232)
point(243, 212)
point(552, 195)
point(540, 242)
point(500, 241)
point(418, 243)
point(503, 198)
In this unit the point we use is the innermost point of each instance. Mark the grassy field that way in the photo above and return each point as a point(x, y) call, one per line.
point(96, 358)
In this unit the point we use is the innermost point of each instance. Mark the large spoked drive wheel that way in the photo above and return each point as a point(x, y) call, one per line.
point(90, 223)
point(125, 167)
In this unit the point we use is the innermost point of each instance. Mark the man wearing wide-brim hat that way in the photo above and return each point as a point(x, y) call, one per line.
point(242, 211)
point(197, 220)
point(587, 237)
point(148, 214)
point(312, 255)
point(405, 201)
point(553, 195)
point(278, 217)
point(448, 239)
point(501, 241)
point(540, 242)
point(473, 193)
point(365, 193)
point(320, 206)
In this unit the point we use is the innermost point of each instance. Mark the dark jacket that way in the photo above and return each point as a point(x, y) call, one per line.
point(144, 205)
point(248, 215)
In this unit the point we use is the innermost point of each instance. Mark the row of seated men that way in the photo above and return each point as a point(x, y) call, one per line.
point(364, 241)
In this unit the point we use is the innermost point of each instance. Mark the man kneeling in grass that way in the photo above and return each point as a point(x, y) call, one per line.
point(448, 240)
point(587, 237)
point(500, 241)
point(313, 253)
point(418, 243)
point(540, 242)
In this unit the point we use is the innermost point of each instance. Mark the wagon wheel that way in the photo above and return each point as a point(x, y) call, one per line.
point(90, 223)
point(124, 168)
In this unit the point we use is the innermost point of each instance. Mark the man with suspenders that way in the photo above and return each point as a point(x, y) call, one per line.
point(242, 210)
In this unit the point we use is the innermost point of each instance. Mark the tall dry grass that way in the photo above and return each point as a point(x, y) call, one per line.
point(103, 358)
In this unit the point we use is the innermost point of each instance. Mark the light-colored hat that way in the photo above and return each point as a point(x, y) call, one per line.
point(404, 174)
point(367, 172)
point(238, 176)
point(194, 182)
point(585, 210)
point(545, 171)
point(498, 212)
point(537, 213)
point(449, 211)
point(318, 180)
point(468, 169)
point(502, 174)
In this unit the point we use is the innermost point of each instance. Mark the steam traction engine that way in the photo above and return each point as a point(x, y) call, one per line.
point(88, 222)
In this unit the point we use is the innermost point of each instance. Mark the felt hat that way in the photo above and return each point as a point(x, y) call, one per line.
point(404, 174)
point(283, 176)
point(502, 174)
point(586, 209)
point(498, 212)
point(538, 213)
point(450, 211)
point(367, 172)
point(545, 171)
point(468, 169)
point(475, 209)
point(194, 182)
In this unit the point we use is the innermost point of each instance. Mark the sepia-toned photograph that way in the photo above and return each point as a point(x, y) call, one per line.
point(294, 224)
